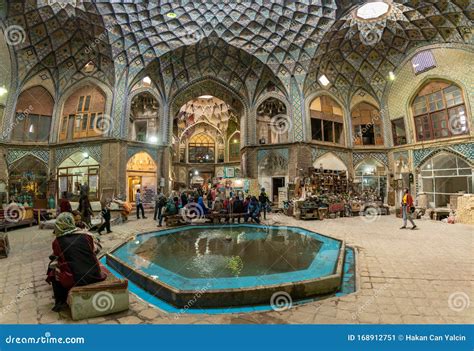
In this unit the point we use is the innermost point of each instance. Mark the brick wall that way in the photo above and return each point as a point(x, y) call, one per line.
point(38, 98)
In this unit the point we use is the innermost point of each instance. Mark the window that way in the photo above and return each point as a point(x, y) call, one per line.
point(33, 115)
point(398, 132)
point(444, 175)
point(439, 112)
point(423, 61)
point(371, 176)
point(234, 147)
point(83, 115)
point(201, 149)
point(367, 125)
point(144, 118)
point(326, 121)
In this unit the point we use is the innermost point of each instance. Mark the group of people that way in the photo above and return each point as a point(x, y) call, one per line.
point(83, 214)
point(213, 201)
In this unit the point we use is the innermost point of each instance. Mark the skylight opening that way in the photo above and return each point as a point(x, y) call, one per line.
point(372, 10)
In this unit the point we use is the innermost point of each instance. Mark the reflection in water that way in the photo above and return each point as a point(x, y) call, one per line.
point(200, 253)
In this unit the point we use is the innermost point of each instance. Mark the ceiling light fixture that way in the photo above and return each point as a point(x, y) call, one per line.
point(3, 90)
point(324, 80)
point(171, 15)
point(206, 97)
point(146, 80)
point(391, 75)
point(153, 139)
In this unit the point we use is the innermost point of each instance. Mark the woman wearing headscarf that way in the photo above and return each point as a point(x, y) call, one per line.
point(74, 261)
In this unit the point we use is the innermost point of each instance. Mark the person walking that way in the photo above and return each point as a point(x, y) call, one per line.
point(105, 213)
point(264, 202)
point(85, 209)
point(161, 204)
point(138, 202)
point(407, 209)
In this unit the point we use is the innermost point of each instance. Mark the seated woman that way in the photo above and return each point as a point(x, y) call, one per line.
point(74, 261)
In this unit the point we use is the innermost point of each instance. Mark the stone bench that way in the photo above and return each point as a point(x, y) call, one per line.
point(99, 299)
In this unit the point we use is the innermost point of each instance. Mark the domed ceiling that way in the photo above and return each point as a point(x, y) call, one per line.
point(286, 37)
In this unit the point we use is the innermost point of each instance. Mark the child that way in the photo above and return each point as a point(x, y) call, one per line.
point(105, 213)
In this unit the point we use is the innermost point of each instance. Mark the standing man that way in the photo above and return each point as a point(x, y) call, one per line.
point(138, 201)
point(263, 199)
point(407, 209)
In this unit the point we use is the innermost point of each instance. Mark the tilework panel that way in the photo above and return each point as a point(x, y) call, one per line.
point(132, 150)
point(466, 150)
point(357, 157)
point(14, 155)
point(317, 152)
point(95, 151)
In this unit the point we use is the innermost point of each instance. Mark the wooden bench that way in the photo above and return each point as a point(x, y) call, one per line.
point(99, 299)
point(6, 224)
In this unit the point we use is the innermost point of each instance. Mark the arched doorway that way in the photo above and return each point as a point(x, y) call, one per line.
point(207, 136)
point(329, 161)
point(77, 171)
point(443, 175)
point(371, 176)
point(28, 182)
point(141, 174)
point(366, 125)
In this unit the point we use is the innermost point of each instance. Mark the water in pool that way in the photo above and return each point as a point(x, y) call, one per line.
point(230, 252)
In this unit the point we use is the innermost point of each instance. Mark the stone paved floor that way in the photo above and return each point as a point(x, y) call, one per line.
point(404, 276)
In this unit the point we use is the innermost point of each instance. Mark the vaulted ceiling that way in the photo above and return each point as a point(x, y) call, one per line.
point(235, 39)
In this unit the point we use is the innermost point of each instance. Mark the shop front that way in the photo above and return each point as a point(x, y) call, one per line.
point(141, 174)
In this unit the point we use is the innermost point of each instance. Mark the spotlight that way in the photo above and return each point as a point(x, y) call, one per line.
point(391, 75)
point(324, 80)
point(85, 155)
point(196, 172)
point(171, 15)
point(153, 139)
point(147, 80)
point(3, 90)
point(207, 97)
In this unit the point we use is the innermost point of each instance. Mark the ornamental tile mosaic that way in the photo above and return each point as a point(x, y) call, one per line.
point(132, 150)
point(357, 157)
point(14, 155)
point(465, 150)
point(317, 152)
point(94, 151)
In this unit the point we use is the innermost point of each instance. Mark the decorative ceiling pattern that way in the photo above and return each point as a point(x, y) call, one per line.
point(247, 44)
point(356, 53)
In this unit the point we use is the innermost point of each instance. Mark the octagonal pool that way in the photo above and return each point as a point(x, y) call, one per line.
point(230, 265)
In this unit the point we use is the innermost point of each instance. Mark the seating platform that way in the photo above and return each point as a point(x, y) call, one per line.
point(99, 299)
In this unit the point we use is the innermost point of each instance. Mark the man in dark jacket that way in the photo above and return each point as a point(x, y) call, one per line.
point(264, 202)
point(237, 207)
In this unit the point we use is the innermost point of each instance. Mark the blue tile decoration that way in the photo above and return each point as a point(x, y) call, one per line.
point(298, 118)
point(132, 150)
point(14, 155)
point(465, 150)
point(357, 157)
point(265, 152)
point(317, 152)
point(95, 151)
